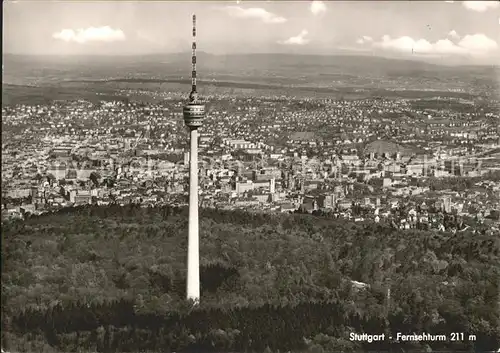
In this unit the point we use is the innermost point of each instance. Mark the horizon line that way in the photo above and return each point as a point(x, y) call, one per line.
point(345, 53)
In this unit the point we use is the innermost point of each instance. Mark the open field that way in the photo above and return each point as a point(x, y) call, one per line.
point(23, 94)
point(111, 90)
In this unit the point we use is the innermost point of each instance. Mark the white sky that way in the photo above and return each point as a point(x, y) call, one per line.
point(469, 30)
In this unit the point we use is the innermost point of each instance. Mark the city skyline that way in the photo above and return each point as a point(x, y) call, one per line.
point(464, 32)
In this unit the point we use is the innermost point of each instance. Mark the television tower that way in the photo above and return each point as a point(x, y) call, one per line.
point(194, 113)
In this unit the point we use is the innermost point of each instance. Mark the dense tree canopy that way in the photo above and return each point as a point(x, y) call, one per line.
point(112, 279)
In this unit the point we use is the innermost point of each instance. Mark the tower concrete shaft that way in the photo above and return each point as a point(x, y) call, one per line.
point(193, 257)
point(194, 113)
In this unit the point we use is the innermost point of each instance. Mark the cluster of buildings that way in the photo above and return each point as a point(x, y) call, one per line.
point(363, 160)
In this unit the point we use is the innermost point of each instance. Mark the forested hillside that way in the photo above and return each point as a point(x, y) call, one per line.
point(112, 279)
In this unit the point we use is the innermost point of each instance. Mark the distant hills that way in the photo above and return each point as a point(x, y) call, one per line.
point(243, 60)
point(259, 59)
point(285, 65)
point(333, 76)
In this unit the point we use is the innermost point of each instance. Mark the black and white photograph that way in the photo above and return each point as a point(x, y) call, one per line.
point(250, 176)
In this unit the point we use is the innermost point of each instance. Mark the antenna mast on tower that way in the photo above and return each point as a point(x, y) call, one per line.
point(193, 96)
